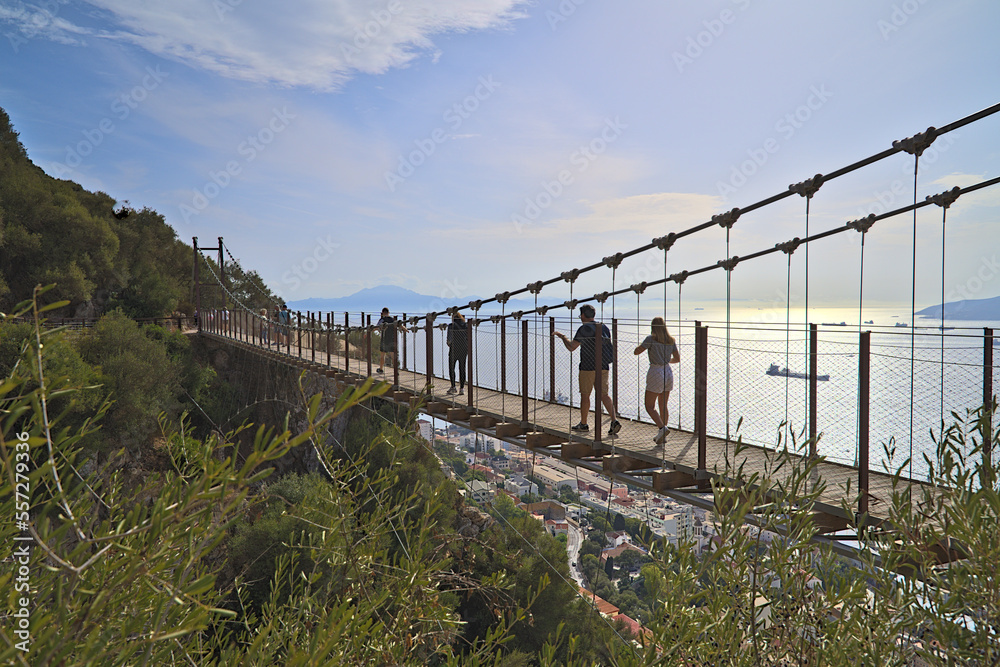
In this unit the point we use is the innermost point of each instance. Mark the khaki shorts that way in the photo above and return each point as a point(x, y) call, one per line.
point(587, 382)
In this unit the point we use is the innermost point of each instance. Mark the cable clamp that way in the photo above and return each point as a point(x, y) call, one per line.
point(442, 326)
point(495, 319)
point(614, 261)
point(571, 304)
point(476, 305)
point(729, 264)
point(918, 143)
point(808, 187)
point(664, 242)
point(727, 219)
point(602, 297)
point(679, 278)
point(541, 310)
point(788, 247)
point(518, 315)
point(862, 224)
point(570, 276)
point(535, 287)
point(503, 297)
point(638, 288)
point(946, 198)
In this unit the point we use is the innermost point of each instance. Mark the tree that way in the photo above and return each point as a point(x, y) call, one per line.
point(609, 567)
point(619, 524)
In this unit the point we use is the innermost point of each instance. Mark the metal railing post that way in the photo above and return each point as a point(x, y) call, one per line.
point(468, 359)
point(298, 331)
point(347, 333)
point(429, 352)
point(552, 359)
point(614, 366)
point(368, 344)
point(701, 392)
point(404, 343)
point(395, 355)
point(987, 478)
point(864, 388)
point(598, 377)
point(503, 355)
point(524, 373)
point(813, 387)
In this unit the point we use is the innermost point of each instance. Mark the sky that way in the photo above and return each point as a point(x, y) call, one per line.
point(461, 148)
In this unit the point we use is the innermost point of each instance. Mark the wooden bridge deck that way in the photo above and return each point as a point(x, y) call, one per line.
point(671, 470)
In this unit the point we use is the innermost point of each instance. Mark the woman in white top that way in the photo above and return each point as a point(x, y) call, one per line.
point(659, 379)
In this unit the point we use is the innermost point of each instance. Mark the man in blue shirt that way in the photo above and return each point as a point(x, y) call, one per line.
point(584, 338)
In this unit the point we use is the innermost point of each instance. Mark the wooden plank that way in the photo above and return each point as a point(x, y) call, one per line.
point(624, 464)
point(482, 421)
point(401, 396)
point(578, 450)
point(436, 407)
point(828, 523)
point(509, 430)
point(664, 481)
point(540, 439)
point(456, 414)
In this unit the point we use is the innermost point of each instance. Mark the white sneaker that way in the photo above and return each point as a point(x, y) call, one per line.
point(661, 435)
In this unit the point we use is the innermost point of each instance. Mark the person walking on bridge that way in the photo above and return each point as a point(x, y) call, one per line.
point(387, 326)
point(458, 350)
point(663, 351)
point(584, 338)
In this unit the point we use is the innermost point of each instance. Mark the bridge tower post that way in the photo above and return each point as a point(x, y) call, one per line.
point(404, 344)
point(368, 344)
point(614, 366)
point(598, 378)
point(197, 285)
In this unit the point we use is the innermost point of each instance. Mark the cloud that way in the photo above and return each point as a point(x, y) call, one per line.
point(316, 44)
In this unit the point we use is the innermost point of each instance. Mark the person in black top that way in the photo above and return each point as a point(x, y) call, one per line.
point(584, 339)
point(387, 326)
point(458, 350)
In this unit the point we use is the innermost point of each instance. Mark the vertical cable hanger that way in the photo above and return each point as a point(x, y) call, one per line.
point(944, 200)
point(789, 248)
point(915, 146)
point(727, 220)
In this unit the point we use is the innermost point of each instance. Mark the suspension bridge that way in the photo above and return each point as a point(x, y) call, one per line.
point(864, 422)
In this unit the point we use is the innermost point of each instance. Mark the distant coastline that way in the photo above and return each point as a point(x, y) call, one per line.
point(968, 309)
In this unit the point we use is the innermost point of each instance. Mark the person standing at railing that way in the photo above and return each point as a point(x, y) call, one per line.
point(387, 326)
point(662, 349)
point(284, 321)
point(584, 338)
point(458, 350)
point(265, 326)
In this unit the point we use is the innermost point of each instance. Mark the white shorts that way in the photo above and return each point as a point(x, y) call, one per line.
point(659, 379)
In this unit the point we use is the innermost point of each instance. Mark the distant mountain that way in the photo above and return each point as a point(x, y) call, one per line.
point(969, 309)
point(400, 300)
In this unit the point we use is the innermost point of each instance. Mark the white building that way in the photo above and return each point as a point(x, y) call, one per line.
point(481, 492)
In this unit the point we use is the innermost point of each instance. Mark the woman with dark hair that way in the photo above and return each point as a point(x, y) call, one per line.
point(663, 351)
point(458, 350)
